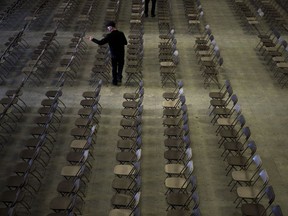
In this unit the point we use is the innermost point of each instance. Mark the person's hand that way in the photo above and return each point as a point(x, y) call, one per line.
point(89, 38)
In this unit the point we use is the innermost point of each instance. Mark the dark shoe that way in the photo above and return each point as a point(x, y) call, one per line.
point(153, 15)
point(119, 80)
point(114, 83)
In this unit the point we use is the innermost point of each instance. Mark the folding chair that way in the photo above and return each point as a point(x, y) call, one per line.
point(222, 92)
point(241, 161)
point(246, 176)
point(253, 192)
point(258, 209)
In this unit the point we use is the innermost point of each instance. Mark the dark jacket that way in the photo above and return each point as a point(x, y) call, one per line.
point(117, 41)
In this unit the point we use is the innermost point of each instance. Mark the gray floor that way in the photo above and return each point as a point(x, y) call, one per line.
point(263, 102)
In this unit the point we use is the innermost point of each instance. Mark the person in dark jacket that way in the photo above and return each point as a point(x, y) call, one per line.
point(117, 41)
point(152, 8)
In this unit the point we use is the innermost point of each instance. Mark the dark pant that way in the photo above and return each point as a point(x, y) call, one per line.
point(117, 68)
point(153, 7)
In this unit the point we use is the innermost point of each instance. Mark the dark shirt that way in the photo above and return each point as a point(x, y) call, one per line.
point(117, 41)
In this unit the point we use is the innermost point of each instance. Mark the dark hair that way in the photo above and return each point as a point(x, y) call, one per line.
point(110, 23)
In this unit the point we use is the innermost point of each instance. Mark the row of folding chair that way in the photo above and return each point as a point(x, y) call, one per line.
point(112, 12)
point(168, 58)
point(194, 14)
point(39, 12)
point(87, 15)
point(239, 151)
point(64, 12)
point(274, 15)
point(14, 48)
point(165, 19)
point(135, 51)
point(248, 15)
point(11, 10)
point(208, 56)
point(181, 195)
point(28, 174)
point(12, 110)
point(274, 49)
point(127, 181)
point(77, 173)
point(36, 68)
point(71, 60)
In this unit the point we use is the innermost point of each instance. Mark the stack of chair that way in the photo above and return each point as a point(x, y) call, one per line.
point(249, 180)
point(26, 181)
point(134, 57)
point(127, 181)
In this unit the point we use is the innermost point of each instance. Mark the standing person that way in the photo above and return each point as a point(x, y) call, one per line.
point(117, 41)
point(152, 8)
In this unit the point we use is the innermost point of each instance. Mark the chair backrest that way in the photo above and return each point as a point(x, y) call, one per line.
point(276, 211)
point(138, 154)
point(196, 200)
point(257, 161)
point(269, 191)
point(252, 146)
point(193, 182)
point(137, 198)
point(234, 99)
point(180, 84)
point(190, 167)
point(196, 212)
point(241, 120)
point(264, 176)
point(188, 152)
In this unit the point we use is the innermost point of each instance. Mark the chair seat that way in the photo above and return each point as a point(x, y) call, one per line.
point(248, 192)
point(131, 96)
point(178, 212)
point(174, 143)
point(125, 144)
point(177, 199)
point(233, 146)
point(126, 123)
point(123, 183)
point(225, 121)
point(126, 156)
point(173, 155)
point(173, 131)
point(228, 133)
point(121, 200)
point(243, 176)
point(70, 171)
point(10, 196)
point(80, 132)
point(176, 182)
point(120, 212)
point(127, 133)
point(78, 144)
point(251, 209)
point(171, 121)
point(61, 203)
point(237, 161)
point(123, 169)
point(174, 168)
point(216, 95)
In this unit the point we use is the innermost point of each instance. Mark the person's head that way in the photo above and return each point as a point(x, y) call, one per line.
point(110, 25)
